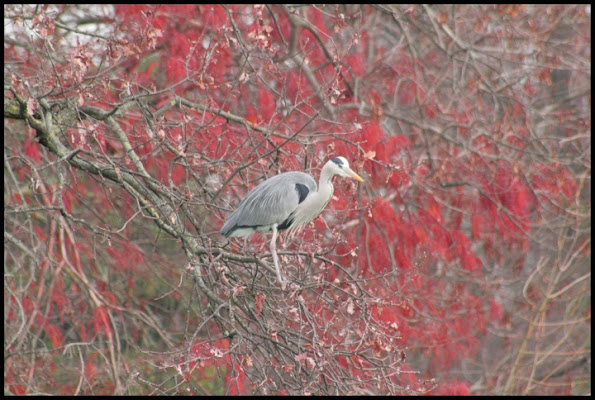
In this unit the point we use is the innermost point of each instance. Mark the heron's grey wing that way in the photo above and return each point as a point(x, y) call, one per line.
point(271, 202)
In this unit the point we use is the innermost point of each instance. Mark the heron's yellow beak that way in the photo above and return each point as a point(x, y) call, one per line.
point(355, 176)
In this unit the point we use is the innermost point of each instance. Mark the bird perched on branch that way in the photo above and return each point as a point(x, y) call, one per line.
point(286, 201)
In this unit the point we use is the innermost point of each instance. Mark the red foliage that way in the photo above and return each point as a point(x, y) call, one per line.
point(259, 301)
point(266, 104)
point(371, 134)
point(101, 321)
point(390, 152)
point(55, 335)
point(468, 165)
point(455, 388)
point(208, 360)
point(31, 150)
point(90, 369)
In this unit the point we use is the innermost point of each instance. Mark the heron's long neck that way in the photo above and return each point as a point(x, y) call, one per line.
point(325, 186)
point(315, 202)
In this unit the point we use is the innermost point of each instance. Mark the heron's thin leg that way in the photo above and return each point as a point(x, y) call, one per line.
point(275, 258)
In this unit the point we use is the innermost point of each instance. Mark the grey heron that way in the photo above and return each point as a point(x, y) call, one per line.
point(288, 200)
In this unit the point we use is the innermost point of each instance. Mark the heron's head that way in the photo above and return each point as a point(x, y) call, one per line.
point(340, 166)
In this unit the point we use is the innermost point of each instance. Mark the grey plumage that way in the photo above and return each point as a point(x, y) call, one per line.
point(286, 201)
point(272, 202)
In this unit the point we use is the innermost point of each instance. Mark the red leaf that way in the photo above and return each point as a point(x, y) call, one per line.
point(101, 321)
point(435, 209)
point(59, 298)
point(55, 335)
point(408, 377)
point(259, 301)
point(471, 262)
point(380, 256)
point(495, 310)
point(267, 105)
point(452, 389)
point(402, 259)
point(356, 64)
point(477, 222)
point(408, 93)
point(31, 150)
point(17, 389)
point(371, 134)
point(83, 332)
point(90, 369)
point(67, 199)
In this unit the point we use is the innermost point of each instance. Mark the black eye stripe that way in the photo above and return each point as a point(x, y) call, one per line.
point(337, 161)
